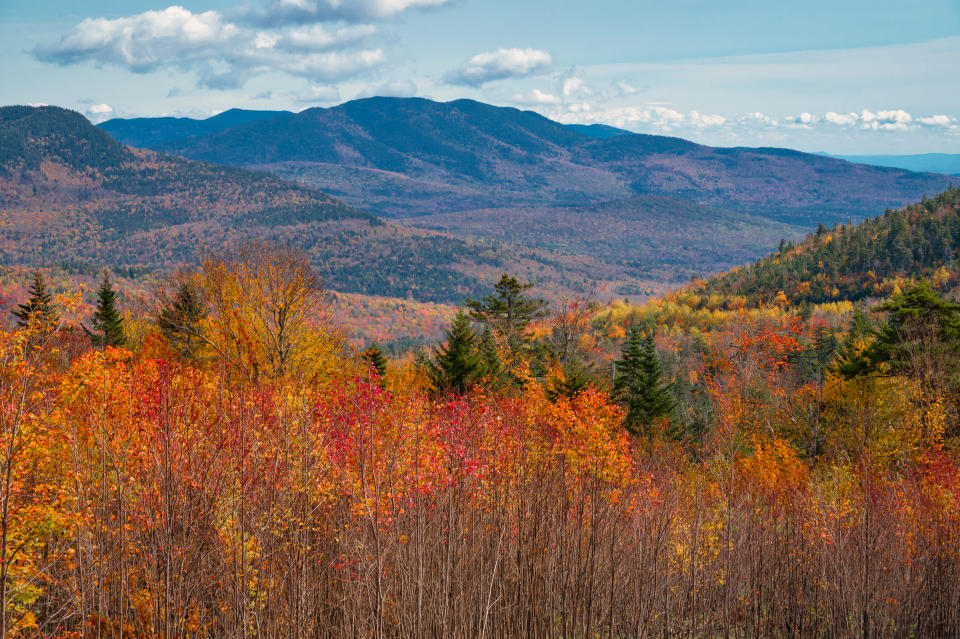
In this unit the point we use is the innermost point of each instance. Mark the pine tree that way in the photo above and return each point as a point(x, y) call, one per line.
point(492, 365)
point(458, 365)
point(39, 306)
point(639, 385)
point(508, 313)
point(575, 378)
point(107, 323)
point(180, 321)
point(377, 361)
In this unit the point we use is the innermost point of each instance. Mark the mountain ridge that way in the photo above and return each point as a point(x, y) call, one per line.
point(514, 156)
point(69, 193)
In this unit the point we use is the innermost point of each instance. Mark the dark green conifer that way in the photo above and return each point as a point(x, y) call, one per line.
point(576, 377)
point(106, 322)
point(508, 313)
point(457, 365)
point(492, 366)
point(376, 360)
point(639, 386)
point(180, 321)
point(39, 306)
point(850, 359)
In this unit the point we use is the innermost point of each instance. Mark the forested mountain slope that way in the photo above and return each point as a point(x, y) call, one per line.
point(149, 132)
point(411, 156)
point(71, 195)
point(854, 262)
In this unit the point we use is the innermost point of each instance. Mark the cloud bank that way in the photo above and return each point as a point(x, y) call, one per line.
point(223, 54)
point(500, 65)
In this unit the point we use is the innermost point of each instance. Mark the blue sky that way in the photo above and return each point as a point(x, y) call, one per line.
point(843, 77)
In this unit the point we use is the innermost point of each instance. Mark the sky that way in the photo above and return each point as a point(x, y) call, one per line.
point(844, 77)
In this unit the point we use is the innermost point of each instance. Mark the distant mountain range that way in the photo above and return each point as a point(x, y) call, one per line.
point(149, 132)
point(947, 163)
point(400, 157)
point(650, 208)
point(468, 191)
point(73, 197)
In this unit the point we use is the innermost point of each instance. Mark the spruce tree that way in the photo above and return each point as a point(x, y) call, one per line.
point(107, 323)
point(508, 313)
point(458, 365)
point(490, 357)
point(377, 361)
point(179, 321)
point(39, 306)
point(850, 359)
point(639, 386)
point(575, 378)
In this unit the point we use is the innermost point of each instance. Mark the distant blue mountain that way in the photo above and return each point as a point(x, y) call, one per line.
point(152, 132)
point(598, 131)
point(402, 157)
point(946, 163)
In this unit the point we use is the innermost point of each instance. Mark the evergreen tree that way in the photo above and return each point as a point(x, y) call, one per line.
point(508, 313)
point(458, 365)
point(377, 361)
point(851, 360)
point(639, 386)
point(920, 339)
point(920, 325)
point(107, 323)
point(180, 321)
point(576, 377)
point(490, 356)
point(40, 305)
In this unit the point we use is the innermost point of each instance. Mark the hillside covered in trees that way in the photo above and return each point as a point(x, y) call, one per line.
point(74, 198)
point(856, 262)
point(482, 172)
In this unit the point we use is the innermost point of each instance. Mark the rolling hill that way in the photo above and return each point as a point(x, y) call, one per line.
point(855, 262)
point(73, 197)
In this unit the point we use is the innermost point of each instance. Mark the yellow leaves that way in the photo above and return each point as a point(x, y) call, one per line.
point(265, 315)
point(941, 277)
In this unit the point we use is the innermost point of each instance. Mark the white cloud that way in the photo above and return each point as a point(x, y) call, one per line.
point(755, 118)
point(317, 38)
point(499, 65)
point(318, 94)
point(574, 85)
point(647, 117)
point(703, 120)
point(99, 112)
point(535, 97)
point(937, 120)
point(754, 125)
point(842, 119)
point(222, 54)
point(624, 88)
point(287, 12)
point(399, 89)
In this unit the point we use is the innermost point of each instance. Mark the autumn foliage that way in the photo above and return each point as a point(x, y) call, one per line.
point(276, 486)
